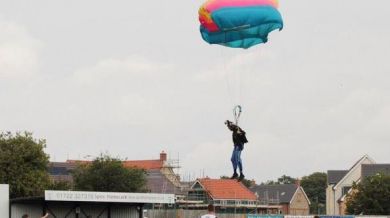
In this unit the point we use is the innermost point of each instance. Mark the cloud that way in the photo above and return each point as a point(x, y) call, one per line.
point(130, 69)
point(317, 98)
point(208, 159)
point(19, 51)
point(131, 90)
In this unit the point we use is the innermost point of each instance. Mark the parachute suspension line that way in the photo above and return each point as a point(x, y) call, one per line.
point(227, 78)
point(245, 75)
point(225, 60)
point(251, 74)
point(242, 78)
point(260, 51)
point(237, 112)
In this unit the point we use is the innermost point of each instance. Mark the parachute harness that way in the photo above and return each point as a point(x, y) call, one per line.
point(237, 112)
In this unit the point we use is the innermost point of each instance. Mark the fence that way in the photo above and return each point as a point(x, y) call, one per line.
point(198, 213)
point(187, 214)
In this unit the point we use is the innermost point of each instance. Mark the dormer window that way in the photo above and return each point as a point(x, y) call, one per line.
point(345, 190)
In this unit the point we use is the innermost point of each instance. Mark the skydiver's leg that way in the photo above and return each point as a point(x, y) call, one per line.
point(239, 161)
point(234, 160)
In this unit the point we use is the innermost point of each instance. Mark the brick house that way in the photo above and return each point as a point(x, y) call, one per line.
point(291, 198)
point(160, 175)
point(227, 196)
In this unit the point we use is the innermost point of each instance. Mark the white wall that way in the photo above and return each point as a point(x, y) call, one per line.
point(4, 200)
point(332, 207)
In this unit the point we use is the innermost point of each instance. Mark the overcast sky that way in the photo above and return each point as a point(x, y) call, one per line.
point(134, 78)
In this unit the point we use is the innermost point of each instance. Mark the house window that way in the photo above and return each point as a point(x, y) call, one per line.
point(345, 190)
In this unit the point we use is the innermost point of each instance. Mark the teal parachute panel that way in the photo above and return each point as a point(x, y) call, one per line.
point(239, 24)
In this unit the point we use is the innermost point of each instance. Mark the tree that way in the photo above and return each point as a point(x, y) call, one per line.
point(283, 180)
point(22, 164)
point(108, 174)
point(371, 196)
point(269, 182)
point(61, 185)
point(245, 182)
point(315, 189)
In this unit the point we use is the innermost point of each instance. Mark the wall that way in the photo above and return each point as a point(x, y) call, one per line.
point(4, 200)
point(330, 200)
point(187, 214)
point(299, 204)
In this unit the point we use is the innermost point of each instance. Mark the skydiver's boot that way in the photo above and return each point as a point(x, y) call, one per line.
point(235, 175)
point(241, 177)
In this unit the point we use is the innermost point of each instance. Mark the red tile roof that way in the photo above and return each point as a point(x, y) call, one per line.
point(145, 164)
point(226, 189)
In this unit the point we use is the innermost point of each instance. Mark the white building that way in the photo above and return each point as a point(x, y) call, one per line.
point(340, 182)
point(4, 200)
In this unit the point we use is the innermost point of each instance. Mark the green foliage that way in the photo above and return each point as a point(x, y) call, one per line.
point(108, 174)
point(245, 182)
point(371, 196)
point(61, 185)
point(315, 189)
point(22, 164)
point(283, 180)
point(269, 182)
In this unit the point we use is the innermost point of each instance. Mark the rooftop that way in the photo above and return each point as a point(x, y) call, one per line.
point(226, 189)
point(281, 193)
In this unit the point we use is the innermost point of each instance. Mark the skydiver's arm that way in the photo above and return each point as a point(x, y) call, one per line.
point(46, 215)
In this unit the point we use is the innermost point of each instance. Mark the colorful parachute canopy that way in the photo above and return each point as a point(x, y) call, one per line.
point(239, 23)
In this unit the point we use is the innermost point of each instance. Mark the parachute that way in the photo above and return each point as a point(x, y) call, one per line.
point(239, 23)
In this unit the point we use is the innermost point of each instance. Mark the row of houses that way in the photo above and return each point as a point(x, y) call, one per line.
point(230, 195)
point(227, 195)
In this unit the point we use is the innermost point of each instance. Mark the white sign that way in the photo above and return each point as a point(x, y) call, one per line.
point(295, 216)
point(120, 197)
point(4, 200)
point(370, 216)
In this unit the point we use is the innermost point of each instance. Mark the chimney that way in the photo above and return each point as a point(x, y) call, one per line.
point(163, 156)
point(253, 183)
point(298, 182)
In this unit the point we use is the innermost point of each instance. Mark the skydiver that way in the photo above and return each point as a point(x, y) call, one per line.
point(239, 139)
point(210, 212)
point(27, 216)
